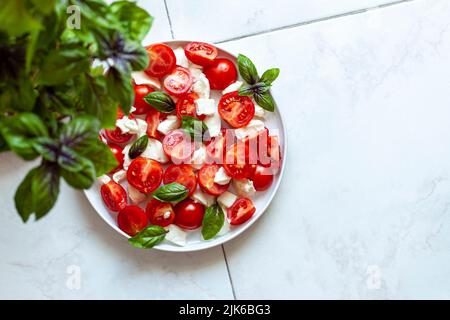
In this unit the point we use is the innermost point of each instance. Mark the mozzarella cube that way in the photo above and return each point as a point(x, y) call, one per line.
point(203, 198)
point(226, 199)
point(126, 156)
point(135, 195)
point(259, 112)
point(181, 57)
point(199, 157)
point(119, 176)
point(205, 106)
point(140, 77)
point(127, 125)
point(201, 86)
point(104, 179)
point(176, 235)
point(232, 87)
point(171, 123)
point(214, 124)
point(196, 71)
point(155, 151)
point(142, 127)
point(244, 187)
point(252, 128)
point(221, 177)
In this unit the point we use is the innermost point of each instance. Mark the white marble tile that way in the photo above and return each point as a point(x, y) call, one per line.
point(219, 20)
point(363, 211)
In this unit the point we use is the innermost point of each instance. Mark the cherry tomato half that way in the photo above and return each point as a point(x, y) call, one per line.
point(183, 174)
point(160, 213)
point(262, 178)
point(161, 60)
point(236, 162)
point(116, 135)
point(189, 214)
point(117, 152)
point(273, 158)
point(236, 110)
point(200, 53)
point(241, 210)
point(178, 146)
point(140, 91)
point(186, 106)
point(153, 119)
point(206, 180)
point(221, 73)
point(131, 220)
point(114, 196)
point(145, 174)
point(178, 82)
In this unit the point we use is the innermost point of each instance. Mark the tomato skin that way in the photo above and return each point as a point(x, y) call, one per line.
point(116, 136)
point(236, 163)
point(117, 152)
point(206, 180)
point(114, 196)
point(183, 174)
point(221, 73)
point(140, 91)
point(178, 82)
point(131, 220)
point(156, 211)
point(262, 178)
point(241, 211)
point(274, 155)
point(178, 146)
point(201, 53)
point(186, 106)
point(145, 174)
point(236, 110)
point(153, 119)
point(161, 60)
point(189, 214)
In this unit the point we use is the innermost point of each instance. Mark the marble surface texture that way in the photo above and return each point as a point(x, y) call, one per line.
point(363, 211)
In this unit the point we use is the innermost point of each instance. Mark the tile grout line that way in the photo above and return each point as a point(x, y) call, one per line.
point(228, 271)
point(168, 18)
point(300, 24)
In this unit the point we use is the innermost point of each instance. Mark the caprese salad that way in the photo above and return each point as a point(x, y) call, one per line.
point(194, 148)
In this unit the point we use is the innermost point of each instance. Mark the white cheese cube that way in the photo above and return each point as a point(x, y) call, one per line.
point(259, 112)
point(171, 123)
point(135, 195)
point(196, 71)
point(155, 151)
point(244, 187)
point(205, 106)
point(252, 128)
point(140, 77)
point(226, 199)
point(214, 124)
point(127, 125)
point(232, 87)
point(126, 157)
point(176, 235)
point(199, 157)
point(203, 198)
point(142, 127)
point(181, 57)
point(221, 177)
point(201, 86)
point(104, 179)
point(119, 176)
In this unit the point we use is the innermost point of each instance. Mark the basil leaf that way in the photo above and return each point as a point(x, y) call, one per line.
point(23, 199)
point(270, 75)
point(82, 179)
point(138, 147)
point(247, 69)
point(172, 192)
point(47, 148)
point(17, 18)
point(246, 91)
point(257, 88)
point(101, 156)
point(161, 101)
point(213, 221)
point(193, 126)
point(265, 100)
point(149, 237)
point(120, 86)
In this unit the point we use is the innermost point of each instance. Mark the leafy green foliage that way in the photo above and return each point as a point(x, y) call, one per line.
point(172, 192)
point(60, 85)
point(213, 221)
point(149, 237)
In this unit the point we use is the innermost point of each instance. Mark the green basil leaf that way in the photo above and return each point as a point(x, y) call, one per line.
point(246, 91)
point(172, 192)
point(120, 87)
point(149, 237)
point(161, 101)
point(101, 156)
point(138, 147)
point(23, 197)
point(135, 22)
point(257, 88)
point(80, 132)
point(265, 101)
point(83, 178)
point(247, 69)
point(270, 75)
point(16, 17)
point(47, 148)
point(193, 126)
point(213, 221)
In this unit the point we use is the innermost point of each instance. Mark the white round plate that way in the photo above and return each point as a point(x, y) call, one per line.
point(261, 200)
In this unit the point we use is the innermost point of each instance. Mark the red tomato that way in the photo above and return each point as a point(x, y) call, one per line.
point(131, 220)
point(186, 106)
point(145, 174)
point(117, 152)
point(153, 119)
point(236, 162)
point(116, 135)
point(256, 143)
point(178, 146)
point(183, 174)
point(241, 210)
point(140, 91)
point(262, 178)
point(215, 150)
point(114, 196)
point(189, 214)
point(206, 180)
point(200, 53)
point(161, 60)
point(221, 73)
point(178, 82)
point(236, 110)
point(160, 213)
point(272, 159)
